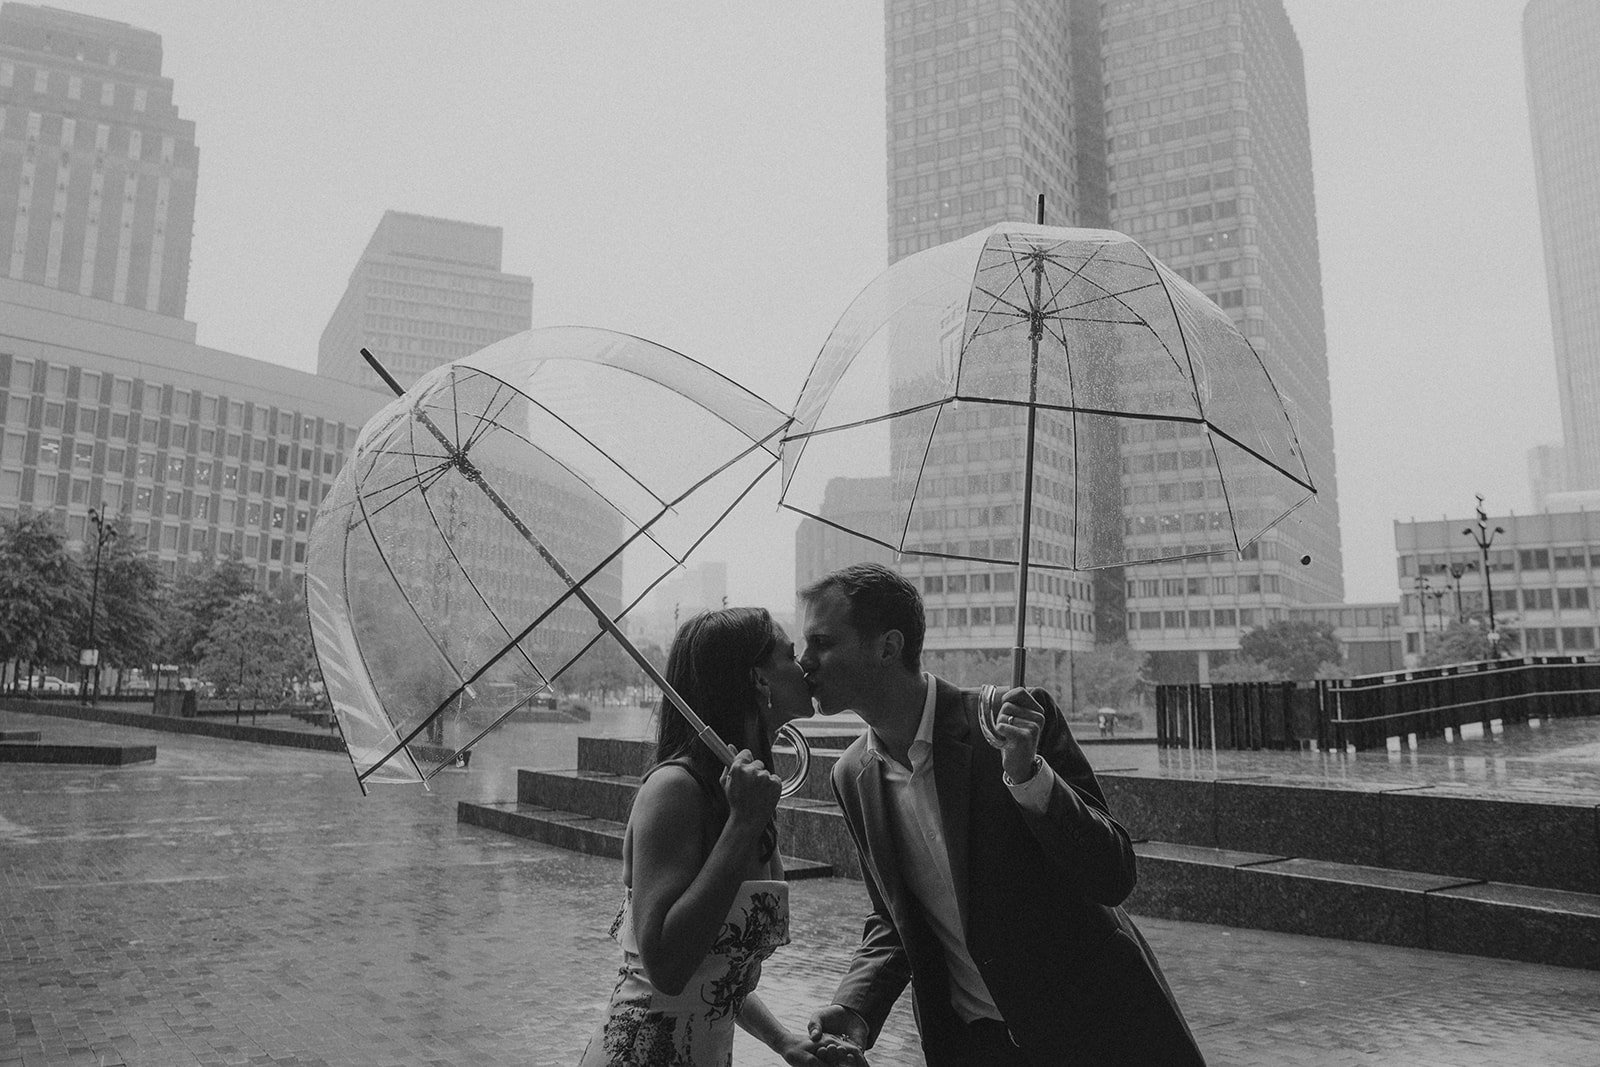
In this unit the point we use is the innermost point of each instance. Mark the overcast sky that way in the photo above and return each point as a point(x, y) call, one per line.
point(711, 176)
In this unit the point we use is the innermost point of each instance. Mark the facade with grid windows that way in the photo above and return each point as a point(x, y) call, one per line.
point(1561, 43)
point(1542, 575)
point(97, 169)
point(1182, 123)
point(425, 291)
point(209, 455)
point(1209, 167)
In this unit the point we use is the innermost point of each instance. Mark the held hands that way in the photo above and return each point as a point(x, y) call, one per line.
point(831, 1051)
point(837, 1034)
point(1018, 726)
point(752, 791)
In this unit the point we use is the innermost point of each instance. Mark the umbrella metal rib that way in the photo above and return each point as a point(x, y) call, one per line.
point(470, 471)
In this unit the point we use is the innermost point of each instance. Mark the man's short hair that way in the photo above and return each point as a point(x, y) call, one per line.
point(879, 600)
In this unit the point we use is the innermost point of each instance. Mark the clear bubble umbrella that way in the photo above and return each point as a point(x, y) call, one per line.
point(474, 545)
point(1000, 385)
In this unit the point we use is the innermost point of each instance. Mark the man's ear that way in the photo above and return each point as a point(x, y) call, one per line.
point(893, 643)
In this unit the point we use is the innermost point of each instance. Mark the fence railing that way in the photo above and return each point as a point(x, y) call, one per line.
point(1365, 712)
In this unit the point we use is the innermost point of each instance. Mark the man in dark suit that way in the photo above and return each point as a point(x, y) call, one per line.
point(995, 873)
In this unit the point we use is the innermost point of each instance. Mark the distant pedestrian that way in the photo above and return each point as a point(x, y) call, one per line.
point(995, 873)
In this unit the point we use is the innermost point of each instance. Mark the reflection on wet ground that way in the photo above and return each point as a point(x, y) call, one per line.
point(243, 903)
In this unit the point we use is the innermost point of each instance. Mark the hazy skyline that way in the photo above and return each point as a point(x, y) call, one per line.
point(711, 176)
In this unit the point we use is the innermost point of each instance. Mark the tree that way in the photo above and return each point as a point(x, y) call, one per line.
point(1468, 642)
point(1106, 675)
point(969, 667)
point(43, 593)
point(237, 654)
point(604, 669)
point(1294, 650)
point(1245, 669)
point(130, 605)
point(198, 602)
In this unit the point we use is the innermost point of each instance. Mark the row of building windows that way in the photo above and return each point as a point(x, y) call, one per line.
point(134, 97)
point(968, 618)
point(1203, 618)
point(1202, 585)
point(1559, 558)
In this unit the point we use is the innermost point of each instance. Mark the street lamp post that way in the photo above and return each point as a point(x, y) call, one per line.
point(1422, 614)
point(1483, 537)
point(102, 534)
point(1455, 569)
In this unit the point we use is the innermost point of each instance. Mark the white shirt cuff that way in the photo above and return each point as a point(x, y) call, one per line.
point(1034, 794)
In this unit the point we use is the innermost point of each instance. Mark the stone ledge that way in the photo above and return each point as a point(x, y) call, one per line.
point(584, 833)
point(1547, 839)
point(77, 755)
point(144, 720)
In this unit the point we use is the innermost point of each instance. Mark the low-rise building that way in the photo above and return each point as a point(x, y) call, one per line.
point(1538, 574)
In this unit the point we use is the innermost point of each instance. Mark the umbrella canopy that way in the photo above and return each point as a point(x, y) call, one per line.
point(1011, 389)
point(473, 546)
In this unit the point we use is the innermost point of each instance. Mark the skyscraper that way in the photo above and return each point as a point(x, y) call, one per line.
point(1209, 167)
point(1182, 123)
point(97, 171)
point(425, 291)
point(1561, 53)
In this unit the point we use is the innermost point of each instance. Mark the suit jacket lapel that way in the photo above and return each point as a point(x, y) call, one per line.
point(880, 835)
point(952, 762)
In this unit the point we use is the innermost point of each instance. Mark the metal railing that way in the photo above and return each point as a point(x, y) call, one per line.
point(1366, 711)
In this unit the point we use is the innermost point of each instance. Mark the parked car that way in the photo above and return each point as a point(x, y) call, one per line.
point(49, 683)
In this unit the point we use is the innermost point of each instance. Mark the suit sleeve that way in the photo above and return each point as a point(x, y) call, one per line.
point(879, 969)
point(1076, 832)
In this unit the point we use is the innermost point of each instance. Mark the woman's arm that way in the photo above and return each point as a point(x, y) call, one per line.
point(678, 904)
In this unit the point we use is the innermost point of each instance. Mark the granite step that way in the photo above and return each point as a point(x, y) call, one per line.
point(75, 755)
point(632, 757)
point(1355, 902)
point(1548, 839)
point(807, 827)
point(585, 833)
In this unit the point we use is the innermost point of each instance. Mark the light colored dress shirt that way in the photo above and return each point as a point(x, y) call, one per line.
point(925, 859)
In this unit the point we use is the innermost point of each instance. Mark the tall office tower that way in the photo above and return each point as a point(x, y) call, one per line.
point(426, 291)
point(97, 171)
point(1210, 168)
point(1561, 53)
point(1182, 123)
point(981, 121)
point(1547, 474)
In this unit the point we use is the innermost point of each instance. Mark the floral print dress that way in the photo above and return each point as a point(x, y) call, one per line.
point(645, 1027)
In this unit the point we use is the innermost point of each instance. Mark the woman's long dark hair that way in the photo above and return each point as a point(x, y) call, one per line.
point(711, 665)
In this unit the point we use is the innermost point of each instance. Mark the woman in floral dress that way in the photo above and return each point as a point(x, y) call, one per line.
point(706, 902)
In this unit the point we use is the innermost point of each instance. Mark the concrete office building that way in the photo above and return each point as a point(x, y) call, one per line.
point(425, 291)
point(1561, 54)
point(1183, 124)
point(97, 171)
point(1542, 571)
point(208, 454)
point(1209, 167)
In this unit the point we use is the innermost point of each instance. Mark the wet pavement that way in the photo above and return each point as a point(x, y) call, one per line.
point(234, 903)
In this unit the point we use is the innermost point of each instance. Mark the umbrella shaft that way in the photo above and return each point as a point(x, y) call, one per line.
point(470, 470)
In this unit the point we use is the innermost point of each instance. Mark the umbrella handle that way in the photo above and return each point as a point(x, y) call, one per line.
point(990, 698)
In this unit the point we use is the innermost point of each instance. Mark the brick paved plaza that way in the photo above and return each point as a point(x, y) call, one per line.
point(234, 903)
